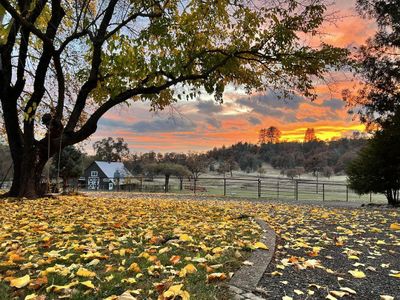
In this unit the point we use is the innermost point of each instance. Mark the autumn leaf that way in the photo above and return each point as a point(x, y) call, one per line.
point(88, 284)
point(349, 290)
point(38, 282)
point(175, 259)
point(135, 268)
point(188, 269)
point(185, 238)
point(129, 280)
point(176, 291)
point(395, 226)
point(386, 297)
point(260, 245)
point(31, 297)
point(61, 288)
point(338, 293)
point(357, 273)
point(216, 277)
point(85, 273)
point(20, 282)
point(126, 296)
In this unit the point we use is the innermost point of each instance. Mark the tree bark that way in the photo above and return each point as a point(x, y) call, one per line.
point(27, 177)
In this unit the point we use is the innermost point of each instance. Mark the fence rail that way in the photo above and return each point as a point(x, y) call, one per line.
point(269, 188)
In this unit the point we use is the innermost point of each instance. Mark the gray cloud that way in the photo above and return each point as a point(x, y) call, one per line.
point(208, 107)
point(254, 120)
point(113, 123)
point(309, 119)
point(164, 125)
point(334, 104)
point(271, 100)
point(214, 122)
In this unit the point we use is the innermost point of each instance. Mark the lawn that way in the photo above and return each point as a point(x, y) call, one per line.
point(179, 247)
point(102, 248)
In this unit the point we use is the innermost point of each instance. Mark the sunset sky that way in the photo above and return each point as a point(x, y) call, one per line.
point(202, 124)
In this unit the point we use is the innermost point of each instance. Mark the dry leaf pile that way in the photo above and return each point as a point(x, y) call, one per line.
point(160, 247)
point(102, 248)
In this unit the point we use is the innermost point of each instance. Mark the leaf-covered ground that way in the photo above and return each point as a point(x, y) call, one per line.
point(102, 248)
point(181, 247)
point(334, 253)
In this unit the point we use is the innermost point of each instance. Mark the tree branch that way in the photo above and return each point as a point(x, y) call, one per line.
point(91, 124)
point(91, 83)
point(25, 23)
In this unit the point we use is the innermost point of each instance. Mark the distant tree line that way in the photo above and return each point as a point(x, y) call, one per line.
point(291, 158)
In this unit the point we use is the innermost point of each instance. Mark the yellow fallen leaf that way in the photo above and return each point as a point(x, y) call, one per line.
point(185, 238)
point(386, 297)
point(312, 263)
point(188, 269)
point(260, 245)
point(61, 288)
point(31, 297)
point(349, 290)
point(109, 278)
point(298, 292)
point(395, 226)
point(88, 284)
point(126, 296)
point(135, 268)
point(330, 297)
point(20, 282)
point(287, 298)
point(217, 250)
point(353, 257)
point(129, 280)
point(85, 273)
point(164, 250)
point(175, 291)
point(395, 275)
point(357, 273)
point(338, 293)
point(68, 229)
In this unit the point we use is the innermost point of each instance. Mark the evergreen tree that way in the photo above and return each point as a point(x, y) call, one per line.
point(377, 168)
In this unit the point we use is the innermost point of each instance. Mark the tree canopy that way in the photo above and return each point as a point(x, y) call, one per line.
point(377, 168)
point(69, 62)
point(378, 64)
point(68, 164)
point(168, 169)
point(110, 150)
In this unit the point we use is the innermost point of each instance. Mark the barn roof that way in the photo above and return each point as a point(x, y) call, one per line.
point(109, 168)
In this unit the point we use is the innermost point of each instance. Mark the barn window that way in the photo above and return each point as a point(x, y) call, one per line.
point(94, 174)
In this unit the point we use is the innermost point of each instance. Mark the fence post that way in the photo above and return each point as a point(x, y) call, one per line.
point(296, 190)
point(370, 197)
point(224, 186)
point(347, 193)
point(181, 184)
point(141, 183)
point(323, 192)
point(277, 187)
point(259, 188)
point(194, 186)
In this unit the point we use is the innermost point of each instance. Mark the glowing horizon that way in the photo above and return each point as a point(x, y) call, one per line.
point(203, 124)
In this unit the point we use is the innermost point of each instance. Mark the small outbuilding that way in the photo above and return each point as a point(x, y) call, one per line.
point(103, 175)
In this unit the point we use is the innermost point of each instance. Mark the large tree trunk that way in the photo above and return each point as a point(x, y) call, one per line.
point(27, 177)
